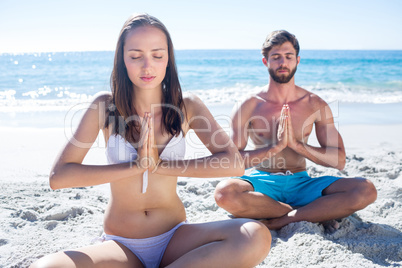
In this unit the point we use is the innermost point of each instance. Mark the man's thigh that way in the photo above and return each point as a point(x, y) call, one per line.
point(344, 185)
point(233, 186)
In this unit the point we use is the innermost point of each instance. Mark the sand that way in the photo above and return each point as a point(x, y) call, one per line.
point(36, 220)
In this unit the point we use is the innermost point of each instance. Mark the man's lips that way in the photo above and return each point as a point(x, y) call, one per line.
point(283, 71)
point(147, 78)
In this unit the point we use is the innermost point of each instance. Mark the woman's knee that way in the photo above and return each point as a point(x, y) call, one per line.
point(256, 240)
point(258, 232)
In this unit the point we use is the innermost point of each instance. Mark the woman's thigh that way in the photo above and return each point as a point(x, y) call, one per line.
point(106, 254)
point(235, 233)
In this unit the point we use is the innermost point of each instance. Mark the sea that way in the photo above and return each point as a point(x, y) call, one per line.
point(36, 87)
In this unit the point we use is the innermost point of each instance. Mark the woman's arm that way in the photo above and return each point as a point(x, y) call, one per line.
point(225, 160)
point(68, 170)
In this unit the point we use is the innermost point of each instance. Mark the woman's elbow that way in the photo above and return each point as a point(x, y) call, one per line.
point(237, 167)
point(239, 172)
point(54, 180)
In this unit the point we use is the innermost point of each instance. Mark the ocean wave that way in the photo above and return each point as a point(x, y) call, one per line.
point(39, 105)
point(65, 100)
point(356, 94)
point(330, 93)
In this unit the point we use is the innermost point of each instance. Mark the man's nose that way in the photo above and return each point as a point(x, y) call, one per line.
point(282, 61)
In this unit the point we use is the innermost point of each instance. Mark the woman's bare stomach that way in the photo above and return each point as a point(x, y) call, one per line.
point(133, 214)
point(132, 223)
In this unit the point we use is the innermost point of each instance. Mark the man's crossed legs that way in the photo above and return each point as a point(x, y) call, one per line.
point(281, 199)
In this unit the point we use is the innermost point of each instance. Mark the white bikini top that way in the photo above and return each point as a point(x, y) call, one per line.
point(118, 150)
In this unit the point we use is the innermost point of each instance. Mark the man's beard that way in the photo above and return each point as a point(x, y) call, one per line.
point(282, 79)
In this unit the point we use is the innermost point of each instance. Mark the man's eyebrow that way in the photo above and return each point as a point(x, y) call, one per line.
point(286, 54)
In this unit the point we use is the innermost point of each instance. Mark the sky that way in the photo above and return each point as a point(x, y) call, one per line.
point(94, 25)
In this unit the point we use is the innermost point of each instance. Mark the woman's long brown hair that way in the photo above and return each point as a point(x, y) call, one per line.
point(122, 115)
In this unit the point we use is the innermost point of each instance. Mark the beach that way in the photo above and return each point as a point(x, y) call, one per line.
point(57, 56)
point(36, 220)
point(43, 95)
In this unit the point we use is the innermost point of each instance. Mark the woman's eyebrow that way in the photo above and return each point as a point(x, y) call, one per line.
point(140, 50)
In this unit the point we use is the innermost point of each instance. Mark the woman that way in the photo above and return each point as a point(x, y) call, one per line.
point(144, 124)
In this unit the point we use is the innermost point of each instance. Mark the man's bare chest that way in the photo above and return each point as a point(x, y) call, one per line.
point(264, 123)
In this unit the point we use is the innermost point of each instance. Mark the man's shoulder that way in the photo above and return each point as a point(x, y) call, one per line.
point(247, 105)
point(312, 98)
point(253, 100)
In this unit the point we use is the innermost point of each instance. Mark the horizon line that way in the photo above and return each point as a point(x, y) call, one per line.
point(195, 49)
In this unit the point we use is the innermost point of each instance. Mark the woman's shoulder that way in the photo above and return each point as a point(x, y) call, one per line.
point(191, 98)
point(194, 106)
point(101, 104)
point(192, 102)
point(102, 97)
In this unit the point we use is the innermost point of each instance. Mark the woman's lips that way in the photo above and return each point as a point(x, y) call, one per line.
point(147, 78)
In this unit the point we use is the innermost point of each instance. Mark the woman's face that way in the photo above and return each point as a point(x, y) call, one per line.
point(146, 57)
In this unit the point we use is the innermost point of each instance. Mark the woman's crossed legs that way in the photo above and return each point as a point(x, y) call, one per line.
point(229, 243)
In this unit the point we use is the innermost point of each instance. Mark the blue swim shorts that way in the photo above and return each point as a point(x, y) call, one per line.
point(298, 189)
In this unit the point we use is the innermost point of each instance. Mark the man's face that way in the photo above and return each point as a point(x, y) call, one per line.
point(282, 63)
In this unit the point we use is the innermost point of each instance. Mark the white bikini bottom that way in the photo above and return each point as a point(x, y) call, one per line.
point(149, 250)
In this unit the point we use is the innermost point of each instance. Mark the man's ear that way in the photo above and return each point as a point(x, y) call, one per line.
point(264, 60)
point(298, 60)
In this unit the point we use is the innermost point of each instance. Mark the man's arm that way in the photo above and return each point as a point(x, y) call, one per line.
point(240, 134)
point(331, 152)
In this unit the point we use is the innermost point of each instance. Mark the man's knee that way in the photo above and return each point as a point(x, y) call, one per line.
point(369, 191)
point(227, 194)
point(365, 193)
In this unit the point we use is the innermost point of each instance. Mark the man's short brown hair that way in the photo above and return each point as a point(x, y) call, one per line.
point(278, 38)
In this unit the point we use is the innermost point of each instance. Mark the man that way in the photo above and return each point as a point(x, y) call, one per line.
point(279, 121)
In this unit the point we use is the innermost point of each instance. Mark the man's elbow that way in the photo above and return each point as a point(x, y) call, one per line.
point(341, 161)
point(336, 162)
point(340, 166)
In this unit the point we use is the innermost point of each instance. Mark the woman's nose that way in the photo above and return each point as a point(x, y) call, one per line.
point(146, 63)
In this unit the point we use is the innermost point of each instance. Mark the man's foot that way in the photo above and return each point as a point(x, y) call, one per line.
point(273, 224)
point(330, 226)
